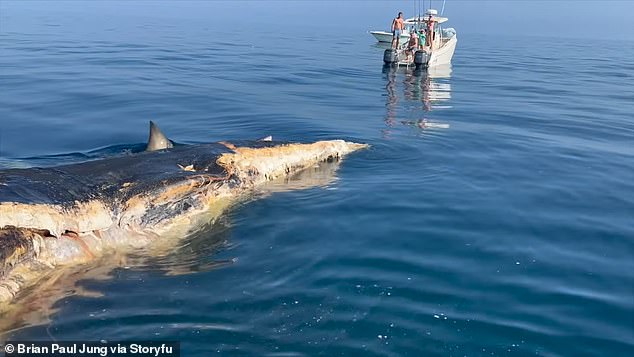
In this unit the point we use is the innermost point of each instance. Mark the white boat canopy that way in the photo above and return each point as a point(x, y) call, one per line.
point(418, 19)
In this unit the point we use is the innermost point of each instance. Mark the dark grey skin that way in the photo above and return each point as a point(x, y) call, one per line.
point(157, 140)
point(103, 179)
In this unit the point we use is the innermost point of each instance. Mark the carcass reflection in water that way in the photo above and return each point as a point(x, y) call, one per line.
point(196, 253)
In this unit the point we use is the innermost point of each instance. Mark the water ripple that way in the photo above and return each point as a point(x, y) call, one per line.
point(491, 214)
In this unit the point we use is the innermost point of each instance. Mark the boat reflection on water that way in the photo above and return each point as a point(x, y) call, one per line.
point(423, 91)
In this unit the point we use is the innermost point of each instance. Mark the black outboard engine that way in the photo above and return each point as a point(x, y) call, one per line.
point(390, 56)
point(421, 58)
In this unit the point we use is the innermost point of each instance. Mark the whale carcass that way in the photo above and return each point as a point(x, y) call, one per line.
point(68, 215)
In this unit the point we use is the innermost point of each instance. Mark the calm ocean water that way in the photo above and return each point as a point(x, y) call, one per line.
point(507, 230)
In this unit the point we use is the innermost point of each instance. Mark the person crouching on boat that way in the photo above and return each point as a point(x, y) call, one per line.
point(397, 29)
point(412, 45)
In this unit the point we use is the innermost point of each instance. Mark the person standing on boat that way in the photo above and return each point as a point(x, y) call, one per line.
point(430, 32)
point(397, 29)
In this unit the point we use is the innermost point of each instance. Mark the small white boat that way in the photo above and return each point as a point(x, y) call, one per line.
point(439, 53)
point(384, 36)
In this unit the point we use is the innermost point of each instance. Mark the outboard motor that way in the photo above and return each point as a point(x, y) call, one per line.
point(390, 56)
point(421, 58)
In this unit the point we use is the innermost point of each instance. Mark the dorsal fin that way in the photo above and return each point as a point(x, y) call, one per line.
point(157, 140)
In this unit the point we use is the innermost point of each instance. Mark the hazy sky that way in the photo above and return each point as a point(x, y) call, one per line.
point(578, 18)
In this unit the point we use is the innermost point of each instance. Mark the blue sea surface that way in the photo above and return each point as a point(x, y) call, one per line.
point(492, 215)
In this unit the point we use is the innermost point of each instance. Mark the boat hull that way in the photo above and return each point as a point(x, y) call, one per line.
point(444, 54)
point(439, 57)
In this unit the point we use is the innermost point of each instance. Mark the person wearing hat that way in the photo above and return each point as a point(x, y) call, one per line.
point(421, 38)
